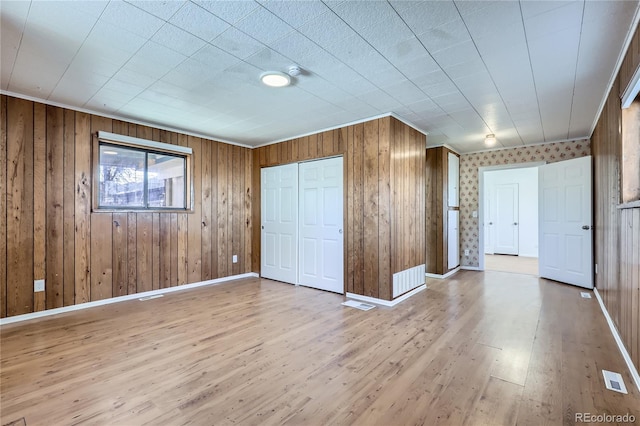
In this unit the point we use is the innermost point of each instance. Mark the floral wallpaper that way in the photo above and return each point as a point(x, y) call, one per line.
point(469, 163)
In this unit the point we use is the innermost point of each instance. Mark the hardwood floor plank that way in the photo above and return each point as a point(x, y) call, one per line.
point(255, 351)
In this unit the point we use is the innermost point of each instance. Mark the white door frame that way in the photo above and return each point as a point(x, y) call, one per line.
point(481, 201)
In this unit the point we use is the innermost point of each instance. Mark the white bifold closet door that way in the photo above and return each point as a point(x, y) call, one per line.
point(302, 233)
point(321, 234)
point(279, 234)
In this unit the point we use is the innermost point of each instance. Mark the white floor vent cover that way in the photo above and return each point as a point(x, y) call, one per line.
point(155, 296)
point(358, 305)
point(585, 295)
point(613, 381)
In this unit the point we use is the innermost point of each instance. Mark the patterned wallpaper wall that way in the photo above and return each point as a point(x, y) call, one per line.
point(469, 163)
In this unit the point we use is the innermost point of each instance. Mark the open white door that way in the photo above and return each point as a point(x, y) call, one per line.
point(321, 236)
point(279, 211)
point(566, 221)
point(506, 219)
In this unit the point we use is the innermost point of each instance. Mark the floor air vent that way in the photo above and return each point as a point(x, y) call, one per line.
point(613, 381)
point(358, 305)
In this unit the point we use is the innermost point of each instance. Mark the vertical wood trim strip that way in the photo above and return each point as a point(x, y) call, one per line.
point(3, 206)
point(41, 154)
point(68, 184)
point(384, 210)
point(371, 210)
point(206, 210)
point(54, 207)
point(19, 206)
point(82, 243)
point(194, 220)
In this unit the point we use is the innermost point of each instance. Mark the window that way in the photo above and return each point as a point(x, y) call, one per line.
point(135, 174)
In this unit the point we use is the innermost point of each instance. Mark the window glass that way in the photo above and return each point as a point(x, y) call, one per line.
point(166, 180)
point(121, 177)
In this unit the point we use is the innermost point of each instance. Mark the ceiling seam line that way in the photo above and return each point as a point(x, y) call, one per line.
point(490, 76)
point(533, 77)
point(24, 26)
point(575, 74)
point(441, 69)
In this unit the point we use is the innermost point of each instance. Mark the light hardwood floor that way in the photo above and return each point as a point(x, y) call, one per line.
point(515, 264)
point(478, 348)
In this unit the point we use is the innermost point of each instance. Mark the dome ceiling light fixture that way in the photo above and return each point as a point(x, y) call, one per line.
point(490, 140)
point(275, 79)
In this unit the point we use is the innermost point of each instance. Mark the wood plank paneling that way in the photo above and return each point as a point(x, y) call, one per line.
point(358, 208)
point(194, 259)
point(97, 255)
point(206, 209)
point(370, 210)
point(19, 206)
point(120, 229)
point(54, 150)
point(144, 252)
point(68, 187)
point(384, 209)
point(41, 167)
point(3, 206)
point(82, 243)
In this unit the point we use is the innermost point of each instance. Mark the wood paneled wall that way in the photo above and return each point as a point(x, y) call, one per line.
point(436, 212)
point(616, 230)
point(384, 197)
point(48, 231)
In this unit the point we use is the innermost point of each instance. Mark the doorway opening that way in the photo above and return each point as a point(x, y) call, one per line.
point(508, 218)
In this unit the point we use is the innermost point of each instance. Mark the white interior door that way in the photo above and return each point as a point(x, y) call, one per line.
point(321, 236)
point(566, 222)
point(279, 211)
point(453, 240)
point(506, 219)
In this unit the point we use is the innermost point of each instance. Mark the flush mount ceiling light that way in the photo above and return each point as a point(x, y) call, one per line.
point(490, 139)
point(275, 79)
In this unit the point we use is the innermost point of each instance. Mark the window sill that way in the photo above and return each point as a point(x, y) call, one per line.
point(629, 205)
point(141, 211)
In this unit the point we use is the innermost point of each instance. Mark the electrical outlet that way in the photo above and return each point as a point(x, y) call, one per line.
point(38, 285)
point(235, 258)
point(466, 252)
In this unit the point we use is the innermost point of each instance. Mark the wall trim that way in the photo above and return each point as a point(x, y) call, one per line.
point(349, 123)
point(386, 302)
point(71, 308)
point(618, 339)
point(471, 268)
point(443, 276)
point(532, 145)
point(121, 118)
point(449, 147)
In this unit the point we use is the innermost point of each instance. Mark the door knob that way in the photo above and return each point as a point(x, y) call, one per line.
point(586, 227)
point(490, 223)
point(515, 223)
point(340, 231)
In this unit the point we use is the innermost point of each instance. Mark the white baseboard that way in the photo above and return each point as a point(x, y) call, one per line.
point(618, 339)
point(386, 302)
point(443, 276)
point(117, 299)
point(471, 268)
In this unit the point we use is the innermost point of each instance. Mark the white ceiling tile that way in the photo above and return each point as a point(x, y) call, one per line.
point(268, 60)
point(132, 19)
point(12, 20)
point(155, 60)
point(113, 42)
point(555, 20)
point(237, 43)
point(326, 29)
point(294, 46)
point(178, 40)
point(264, 26)
point(231, 11)
point(199, 22)
point(457, 54)
point(422, 16)
point(304, 11)
point(162, 9)
point(214, 58)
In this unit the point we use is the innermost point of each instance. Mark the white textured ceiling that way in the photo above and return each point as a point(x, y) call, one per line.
point(528, 71)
